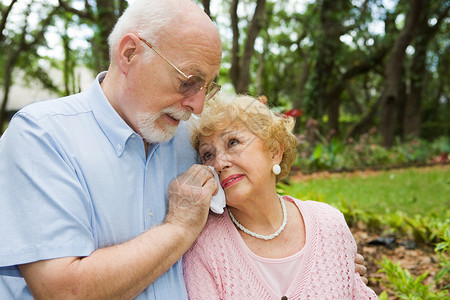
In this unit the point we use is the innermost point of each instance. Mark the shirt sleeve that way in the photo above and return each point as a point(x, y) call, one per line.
point(45, 212)
point(200, 282)
point(360, 290)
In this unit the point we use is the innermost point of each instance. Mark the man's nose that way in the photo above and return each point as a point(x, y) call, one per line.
point(195, 103)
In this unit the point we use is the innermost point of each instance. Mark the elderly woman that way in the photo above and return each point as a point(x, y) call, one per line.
point(264, 246)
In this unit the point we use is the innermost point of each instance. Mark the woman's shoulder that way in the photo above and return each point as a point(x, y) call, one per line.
point(313, 205)
point(319, 212)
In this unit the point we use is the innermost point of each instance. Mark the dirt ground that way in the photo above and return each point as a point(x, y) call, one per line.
point(417, 260)
point(296, 175)
point(414, 258)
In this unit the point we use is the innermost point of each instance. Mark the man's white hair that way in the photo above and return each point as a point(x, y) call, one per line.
point(147, 18)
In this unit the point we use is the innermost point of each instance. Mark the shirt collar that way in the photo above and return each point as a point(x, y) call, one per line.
point(114, 127)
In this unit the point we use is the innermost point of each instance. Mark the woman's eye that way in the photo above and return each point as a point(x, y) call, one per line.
point(232, 142)
point(206, 156)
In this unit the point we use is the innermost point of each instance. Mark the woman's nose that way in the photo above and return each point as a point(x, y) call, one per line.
point(222, 162)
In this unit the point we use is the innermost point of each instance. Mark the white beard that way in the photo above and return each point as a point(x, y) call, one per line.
point(153, 132)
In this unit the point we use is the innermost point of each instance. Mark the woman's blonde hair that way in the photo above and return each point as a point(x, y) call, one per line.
point(274, 130)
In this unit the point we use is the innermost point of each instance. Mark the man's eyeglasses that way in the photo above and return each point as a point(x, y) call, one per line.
point(192, 84)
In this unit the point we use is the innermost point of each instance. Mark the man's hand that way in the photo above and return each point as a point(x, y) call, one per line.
point(123, 271)
point(360, 268)
point(190, 197)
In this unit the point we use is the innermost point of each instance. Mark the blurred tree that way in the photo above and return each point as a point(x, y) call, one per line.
point(19, 49)
point(282, 65)
point(340, 62)
point(100, 15)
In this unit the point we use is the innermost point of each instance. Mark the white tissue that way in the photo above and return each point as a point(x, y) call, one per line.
point(218, 201)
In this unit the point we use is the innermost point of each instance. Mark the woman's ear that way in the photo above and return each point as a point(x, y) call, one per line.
point(126, 52)
point(277, 156)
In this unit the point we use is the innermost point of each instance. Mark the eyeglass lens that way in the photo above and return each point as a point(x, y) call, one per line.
point(211, 90)
point(193, 84)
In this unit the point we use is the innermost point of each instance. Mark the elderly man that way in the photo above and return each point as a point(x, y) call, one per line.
point(86, 207)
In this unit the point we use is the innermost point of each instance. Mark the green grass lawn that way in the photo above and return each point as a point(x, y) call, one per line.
point(412, 191)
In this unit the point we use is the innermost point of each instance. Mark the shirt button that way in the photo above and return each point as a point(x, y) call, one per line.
point(119, 147)
point(133, 136)
point(150, 213)
point(284, 298)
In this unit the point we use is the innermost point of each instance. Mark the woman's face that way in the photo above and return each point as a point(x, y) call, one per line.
point(241, 160)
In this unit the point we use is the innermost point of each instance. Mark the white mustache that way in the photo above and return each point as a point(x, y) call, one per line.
point(176, 113)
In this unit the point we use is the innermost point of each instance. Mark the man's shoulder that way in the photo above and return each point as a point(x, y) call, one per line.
point(65, 106)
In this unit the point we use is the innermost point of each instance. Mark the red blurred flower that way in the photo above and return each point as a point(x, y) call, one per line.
point(295, 113)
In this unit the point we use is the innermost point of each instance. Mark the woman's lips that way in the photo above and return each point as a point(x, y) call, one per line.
point(231, 180)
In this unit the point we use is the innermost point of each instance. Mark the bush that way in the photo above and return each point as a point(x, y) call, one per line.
point(317, 152)
point(443, 248)
point(406, 286)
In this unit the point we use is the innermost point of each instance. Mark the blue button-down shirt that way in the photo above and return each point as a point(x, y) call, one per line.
point(74, 177)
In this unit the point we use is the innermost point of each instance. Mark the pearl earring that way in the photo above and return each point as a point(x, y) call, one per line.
point(276, 169)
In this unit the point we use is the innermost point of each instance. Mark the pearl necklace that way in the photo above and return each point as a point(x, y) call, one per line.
point(260, 236)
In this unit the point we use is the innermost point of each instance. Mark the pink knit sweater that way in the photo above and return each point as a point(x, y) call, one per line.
point(217, 266)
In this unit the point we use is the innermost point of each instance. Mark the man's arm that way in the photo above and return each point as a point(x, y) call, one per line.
point(125, 270)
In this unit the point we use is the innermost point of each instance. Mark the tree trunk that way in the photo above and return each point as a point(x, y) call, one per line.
point(7, 83)
point(4, 19)
point(235, 57)
point(303, 79)
point(392, 73)
point(411, 125)
point(240, 65)
point(333, 114)
point(366, 121)
point(259, 74)
point(106, 19)
point(207, 7)
point(328, 46)
point(7, 74)
point(3, 115)
point(401, 102)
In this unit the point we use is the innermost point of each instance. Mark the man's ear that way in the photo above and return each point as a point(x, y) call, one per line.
point(127, 50)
